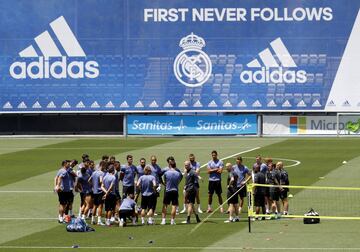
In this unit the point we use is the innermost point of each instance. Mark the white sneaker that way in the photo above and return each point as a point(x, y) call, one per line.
point(228, 221)
point(142, 222)
point(163, 222)
point(172, 223)
point(199, 210)
point(155, 214)
point(121, 223)
point(101, 223)
point(184, 222)
point(112, 219)
point(107, 223)
point(183, 211)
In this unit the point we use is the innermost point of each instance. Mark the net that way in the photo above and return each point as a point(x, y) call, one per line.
point(329, 202)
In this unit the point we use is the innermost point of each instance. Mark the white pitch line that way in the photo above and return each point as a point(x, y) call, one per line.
point(233, 155)
point(295, 162)
point(178, 248)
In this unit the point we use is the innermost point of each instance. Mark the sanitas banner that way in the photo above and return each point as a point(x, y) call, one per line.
point(192, 125)
point(311, 125)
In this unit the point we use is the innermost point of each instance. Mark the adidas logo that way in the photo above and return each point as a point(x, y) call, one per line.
point(153, 104)
point(7, 105)
point(301, 104)
point(139, 104)
point(242, 104)
point(286, 104)
point(273, 70)
point(212, 104)
point(271, 104)
point(197, 104)
point(80, 105)
point(124, 105)
point(46, 68)
point(168, 104)
point(183, 104)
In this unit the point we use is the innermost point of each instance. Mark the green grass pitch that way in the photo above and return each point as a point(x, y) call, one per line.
point(28, 219)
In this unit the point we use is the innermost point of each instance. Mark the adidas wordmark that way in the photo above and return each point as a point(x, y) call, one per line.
point(272, 71)
point(52, 64)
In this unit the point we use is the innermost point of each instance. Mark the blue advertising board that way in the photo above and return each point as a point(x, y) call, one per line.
point(192, 125)
point(179, 55)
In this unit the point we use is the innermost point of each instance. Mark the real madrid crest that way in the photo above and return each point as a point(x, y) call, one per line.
point(192, 66)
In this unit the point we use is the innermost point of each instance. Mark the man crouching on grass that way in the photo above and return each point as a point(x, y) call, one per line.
point(127, 210)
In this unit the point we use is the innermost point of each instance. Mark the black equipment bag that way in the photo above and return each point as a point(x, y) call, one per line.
point(311, 220)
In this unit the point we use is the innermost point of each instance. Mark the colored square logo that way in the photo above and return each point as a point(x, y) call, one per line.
point(297, 125)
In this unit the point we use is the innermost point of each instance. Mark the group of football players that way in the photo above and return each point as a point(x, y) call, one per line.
point(99, 188)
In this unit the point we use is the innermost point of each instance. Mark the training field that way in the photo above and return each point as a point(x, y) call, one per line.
point(28, 209)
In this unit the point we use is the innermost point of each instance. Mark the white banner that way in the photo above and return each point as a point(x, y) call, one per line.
point(311, 125)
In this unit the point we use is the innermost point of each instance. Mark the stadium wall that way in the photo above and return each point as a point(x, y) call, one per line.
point(58, 124)
point(85, 67)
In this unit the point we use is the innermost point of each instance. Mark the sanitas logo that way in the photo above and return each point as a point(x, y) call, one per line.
point(45, 68)
point(157, 125)
point(273, 72)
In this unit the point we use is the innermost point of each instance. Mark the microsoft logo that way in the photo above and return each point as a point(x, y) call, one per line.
point(297, 125)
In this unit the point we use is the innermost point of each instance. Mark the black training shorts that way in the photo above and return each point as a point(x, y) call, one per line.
point(171, 197)
point(215, 186)
point(110, 202)
point(148, 202)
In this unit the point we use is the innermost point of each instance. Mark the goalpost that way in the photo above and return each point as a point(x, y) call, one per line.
point(336, 203)
point(347, 124)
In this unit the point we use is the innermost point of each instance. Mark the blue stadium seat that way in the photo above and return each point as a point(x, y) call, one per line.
point(319, 78)
point(307, 98)
point(280, 88)
point(218, 78)
point(229, 68)
point(231, 58)
point(271, 88)
point(296, 58)
point(227, 78)
point(213, 58)
point(297, 98)
point(313, 59)
point(310, 78)
point(222, 59)
point(304, 59)
point(322, 59)
point(279, 98)
point(238, 68)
